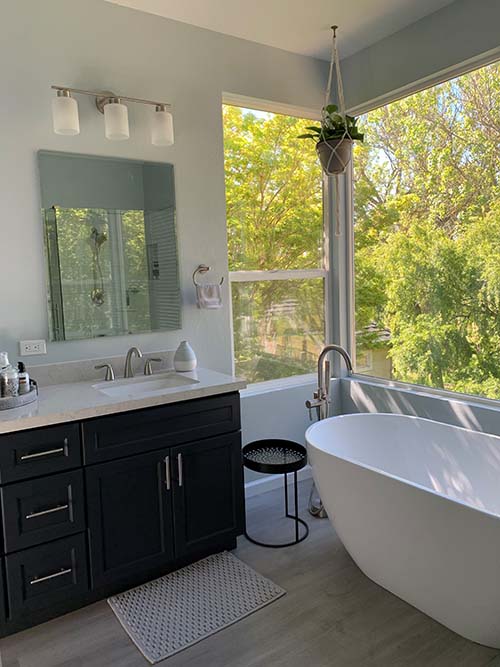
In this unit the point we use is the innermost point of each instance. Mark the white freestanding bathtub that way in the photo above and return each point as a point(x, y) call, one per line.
point(417, 505)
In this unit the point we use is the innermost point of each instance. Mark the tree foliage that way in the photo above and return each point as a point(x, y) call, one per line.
point(274, 221)
point(427, 232)
point(427, 236)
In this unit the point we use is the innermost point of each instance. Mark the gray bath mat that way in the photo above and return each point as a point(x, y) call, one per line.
point(169, 614)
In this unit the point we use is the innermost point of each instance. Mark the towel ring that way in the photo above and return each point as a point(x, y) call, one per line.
point(203, 268)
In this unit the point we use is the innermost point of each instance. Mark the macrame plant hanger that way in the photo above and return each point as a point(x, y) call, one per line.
point(336, 156)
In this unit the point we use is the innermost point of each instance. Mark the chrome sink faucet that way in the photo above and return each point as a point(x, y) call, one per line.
point(129, 370)
point(321, 397)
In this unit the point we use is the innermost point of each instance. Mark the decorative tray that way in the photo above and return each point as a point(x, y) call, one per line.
point(10, 402)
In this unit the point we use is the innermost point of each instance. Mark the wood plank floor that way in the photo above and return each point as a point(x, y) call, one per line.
point(332, 616)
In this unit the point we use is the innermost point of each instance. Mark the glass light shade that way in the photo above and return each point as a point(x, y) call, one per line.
point(162, 128)
point(116, 121)
point(65, 114)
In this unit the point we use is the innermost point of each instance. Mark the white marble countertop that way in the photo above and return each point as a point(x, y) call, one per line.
point(74, 401)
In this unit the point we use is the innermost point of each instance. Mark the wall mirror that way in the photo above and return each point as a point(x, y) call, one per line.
point(110, 246)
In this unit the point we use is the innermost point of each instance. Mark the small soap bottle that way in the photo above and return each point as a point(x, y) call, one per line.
point(24, 379)
point(184, 358)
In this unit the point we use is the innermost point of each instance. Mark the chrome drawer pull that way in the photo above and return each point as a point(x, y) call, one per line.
point(38, 580)
point(47, 452)
point(58, 508)
point(179, 468)
point(167, 472)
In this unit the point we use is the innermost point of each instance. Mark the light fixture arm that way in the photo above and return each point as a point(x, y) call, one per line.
point(103, 97)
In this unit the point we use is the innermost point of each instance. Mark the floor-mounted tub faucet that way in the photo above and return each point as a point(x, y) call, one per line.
point(321, 403)
point(321, 397)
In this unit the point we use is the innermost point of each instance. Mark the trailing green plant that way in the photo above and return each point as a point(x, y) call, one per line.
point(333, 126)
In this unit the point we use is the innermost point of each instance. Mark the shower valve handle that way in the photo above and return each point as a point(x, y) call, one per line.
point(315, 403)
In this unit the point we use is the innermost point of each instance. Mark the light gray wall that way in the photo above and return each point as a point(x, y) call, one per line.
point(280, 413)
point(98, 45)
point(368, 396)
point(463, 31)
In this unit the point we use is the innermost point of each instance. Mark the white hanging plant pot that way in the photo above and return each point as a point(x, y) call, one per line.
point(334, 155)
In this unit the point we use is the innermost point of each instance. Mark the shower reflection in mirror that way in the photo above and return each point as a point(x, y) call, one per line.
point(110, 245)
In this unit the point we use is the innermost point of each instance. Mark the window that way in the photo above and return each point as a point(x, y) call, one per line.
point(427, 237)
point(275, 244)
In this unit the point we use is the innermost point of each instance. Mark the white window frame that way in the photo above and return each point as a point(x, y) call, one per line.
point(348, 200)
point(232, 99)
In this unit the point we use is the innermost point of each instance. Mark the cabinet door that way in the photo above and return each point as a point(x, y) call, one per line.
point(129, 518)
point(2, 597)
point(208, 494)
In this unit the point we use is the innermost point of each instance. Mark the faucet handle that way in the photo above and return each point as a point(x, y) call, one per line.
point(110, 374)
point(310, 405)
point(148, 369)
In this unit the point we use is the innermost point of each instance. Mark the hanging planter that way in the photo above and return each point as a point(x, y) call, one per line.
point(335, 136)
point(334, 155)
point(334, 139)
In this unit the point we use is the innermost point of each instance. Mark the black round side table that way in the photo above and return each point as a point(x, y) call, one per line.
point(274, 457)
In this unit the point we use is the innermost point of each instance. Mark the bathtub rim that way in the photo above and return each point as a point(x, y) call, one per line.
point(385, 473)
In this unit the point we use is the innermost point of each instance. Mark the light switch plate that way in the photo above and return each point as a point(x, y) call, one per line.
point(29, 347)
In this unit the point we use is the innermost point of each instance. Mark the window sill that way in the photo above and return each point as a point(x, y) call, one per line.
point(421, 390)
point(279, 385)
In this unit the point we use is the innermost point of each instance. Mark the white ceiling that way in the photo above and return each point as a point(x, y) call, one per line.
point(300, 26)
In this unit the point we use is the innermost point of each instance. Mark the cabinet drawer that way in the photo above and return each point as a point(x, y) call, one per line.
point(47, 575)
point(42, 509)
point(39, 452)
point(140, 431)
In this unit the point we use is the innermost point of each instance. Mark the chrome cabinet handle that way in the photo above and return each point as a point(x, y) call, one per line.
point(179, 468)
point(58, 508)
point(47, 452)
point(38, 580)
point(167, 472)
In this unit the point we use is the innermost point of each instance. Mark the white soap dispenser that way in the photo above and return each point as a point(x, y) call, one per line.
point(185, 358)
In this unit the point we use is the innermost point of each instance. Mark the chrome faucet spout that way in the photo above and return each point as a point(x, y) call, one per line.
point(324, 352)
point(324, 377)
point(129, 369)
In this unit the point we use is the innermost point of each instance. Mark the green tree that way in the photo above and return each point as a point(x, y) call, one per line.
point(274, 221)
point(427, 233)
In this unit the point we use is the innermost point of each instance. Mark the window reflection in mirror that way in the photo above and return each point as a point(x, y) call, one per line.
point(110, 246)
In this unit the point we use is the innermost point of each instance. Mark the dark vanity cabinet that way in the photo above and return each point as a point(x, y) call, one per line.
point(93, 508)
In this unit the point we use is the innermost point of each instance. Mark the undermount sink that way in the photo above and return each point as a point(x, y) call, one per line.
point(144, 386)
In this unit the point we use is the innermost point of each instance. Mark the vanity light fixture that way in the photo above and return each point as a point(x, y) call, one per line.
point(162, 128)
point(116, 120)
point(116, 127)
point(65, 113)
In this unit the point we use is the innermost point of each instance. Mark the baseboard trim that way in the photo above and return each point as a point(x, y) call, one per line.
point(258, 486)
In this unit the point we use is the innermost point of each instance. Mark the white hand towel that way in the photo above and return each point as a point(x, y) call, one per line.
point(209, 295)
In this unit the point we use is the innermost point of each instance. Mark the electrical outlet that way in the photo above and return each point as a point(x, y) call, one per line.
point(28, 347)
